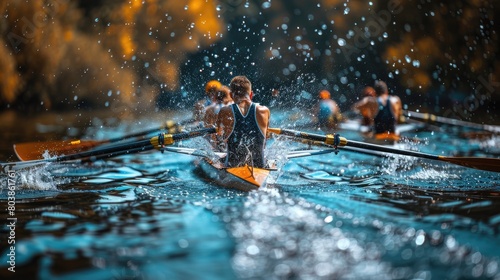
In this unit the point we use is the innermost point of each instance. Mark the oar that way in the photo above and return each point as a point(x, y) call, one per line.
point(36, 150)
point(488, 164)
point(157, 142)
point(437, 119)
point(349, 149)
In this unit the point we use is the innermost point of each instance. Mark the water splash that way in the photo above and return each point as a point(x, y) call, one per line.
point(38, 178)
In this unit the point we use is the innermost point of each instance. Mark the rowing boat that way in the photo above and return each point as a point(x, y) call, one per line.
point(243, 178)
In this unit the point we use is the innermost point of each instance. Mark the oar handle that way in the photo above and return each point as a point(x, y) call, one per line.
point(330, 139)
point(158, 142)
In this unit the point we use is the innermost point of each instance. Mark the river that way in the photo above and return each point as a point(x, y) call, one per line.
point(150, 216)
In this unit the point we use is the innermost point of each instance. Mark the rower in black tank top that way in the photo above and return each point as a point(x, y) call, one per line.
point(246, 142)
point(385, 121)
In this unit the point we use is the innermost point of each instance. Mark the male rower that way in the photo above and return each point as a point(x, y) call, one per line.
point(222, 98)
point(384, 109)
point(243, 126)
point(367, 112)
point(199, 107)
point(327, 112)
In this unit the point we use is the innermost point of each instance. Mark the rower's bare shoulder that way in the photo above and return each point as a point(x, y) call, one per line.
point(262, 108)
point(395, 98)
point(225, 110)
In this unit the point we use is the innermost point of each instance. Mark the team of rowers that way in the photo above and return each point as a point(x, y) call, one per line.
point(242, 124)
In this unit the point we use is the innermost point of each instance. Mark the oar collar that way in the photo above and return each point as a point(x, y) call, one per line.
point(161, 140)
point(335, 140)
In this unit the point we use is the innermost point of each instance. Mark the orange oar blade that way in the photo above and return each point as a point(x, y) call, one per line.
point(36, 150)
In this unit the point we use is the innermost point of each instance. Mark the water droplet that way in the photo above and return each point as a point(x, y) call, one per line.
point(183, 243)
point(253, 250)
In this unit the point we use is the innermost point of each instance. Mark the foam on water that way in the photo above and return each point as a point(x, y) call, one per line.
point(433, 174)
point(40, 177)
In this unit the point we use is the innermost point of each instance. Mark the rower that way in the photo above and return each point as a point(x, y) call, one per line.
point(384, 110)
point(199, 107)
point(222, 98)
point(367, 120)
point(243, 126)
point(327, 112)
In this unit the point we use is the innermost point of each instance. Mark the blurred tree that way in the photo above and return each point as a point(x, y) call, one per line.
point(447, 49)
point(67, 54)
point(54, 64)
point(61, 55)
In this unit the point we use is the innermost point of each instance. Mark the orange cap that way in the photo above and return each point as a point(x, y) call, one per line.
point(324, 94)
point(212, 85)
point(368, 91)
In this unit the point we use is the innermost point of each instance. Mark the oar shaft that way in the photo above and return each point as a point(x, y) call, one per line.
point(385, 149)
point(143, 145)
point(156, 142)
point(110, 155)
point(169, 125)
point(328, 139)
point(488, 164)
point(139, 146)
point(350, 143)
point(433, 119)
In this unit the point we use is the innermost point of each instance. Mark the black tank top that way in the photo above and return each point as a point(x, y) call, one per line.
point(385, 121)
point(246, 142)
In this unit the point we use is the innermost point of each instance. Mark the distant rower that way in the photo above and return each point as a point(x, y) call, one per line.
point(211, 89)
point(327, 112)
point(383, 111)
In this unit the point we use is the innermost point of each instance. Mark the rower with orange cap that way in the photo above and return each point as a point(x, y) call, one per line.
point(211, 89)
point(327, 112)
point(222, 98)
